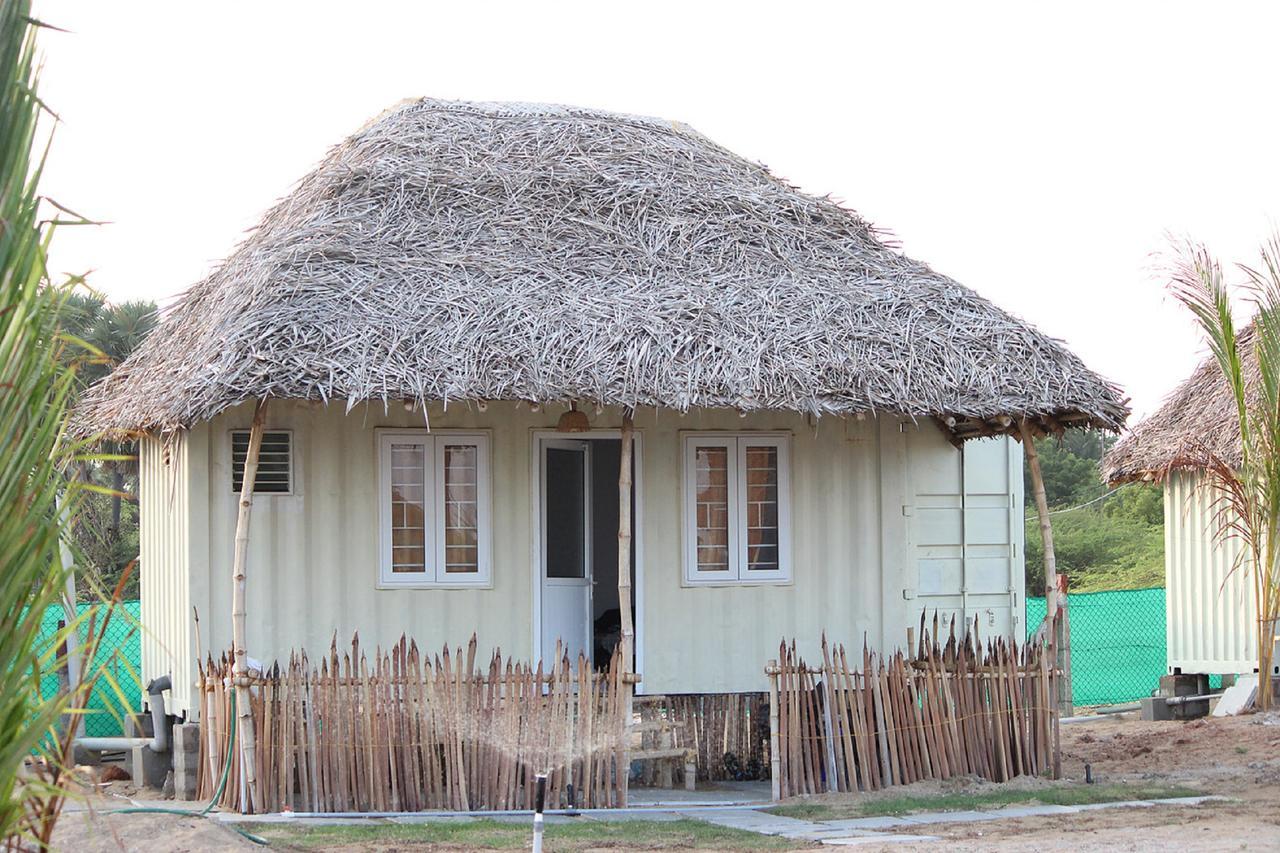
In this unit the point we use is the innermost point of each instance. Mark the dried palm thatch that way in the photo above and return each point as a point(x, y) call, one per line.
point(1196, 427)
point(466, 251)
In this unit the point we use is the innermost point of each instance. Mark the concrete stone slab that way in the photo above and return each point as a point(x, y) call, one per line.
point(1030, 811)
point(1238, 697)
point(707, 794)
point(433, 818)
point(527, 819)
point(859, 840)
point(231, 817)
point(613, 816)
point(883, 822)
point(948, 817)
point(824, 834)
point(756, 821)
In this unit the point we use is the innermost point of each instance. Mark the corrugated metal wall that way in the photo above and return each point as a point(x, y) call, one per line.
point(163, 517)
point(312, 565)
point(1210, 612)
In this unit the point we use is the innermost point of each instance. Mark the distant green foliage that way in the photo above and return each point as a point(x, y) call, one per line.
point(1070, 469)
point(1098, 551)
point(107, 529)
point(1116, 542)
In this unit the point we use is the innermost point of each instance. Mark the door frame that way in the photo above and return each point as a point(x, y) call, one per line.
point(584, 448)
point(536, 437)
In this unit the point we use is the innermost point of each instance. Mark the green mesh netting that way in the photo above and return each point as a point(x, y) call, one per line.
point(1117, 643)
point(121, 657)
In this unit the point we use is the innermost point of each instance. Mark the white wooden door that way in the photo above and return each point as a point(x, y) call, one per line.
point(566, 547)
point(966, 529)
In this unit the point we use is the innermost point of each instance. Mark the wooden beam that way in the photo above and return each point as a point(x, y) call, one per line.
point(240, 671)
point(947, 428)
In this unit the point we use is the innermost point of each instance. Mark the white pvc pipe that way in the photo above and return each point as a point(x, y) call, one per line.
point(111, 744)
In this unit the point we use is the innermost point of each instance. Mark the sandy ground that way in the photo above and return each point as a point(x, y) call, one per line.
point(91, 824)
point(83, 833)
point(1236, 757)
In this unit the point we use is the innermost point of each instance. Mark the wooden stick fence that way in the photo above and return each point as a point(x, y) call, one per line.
point(948, 711)
point(398, 731)
point(728, 732)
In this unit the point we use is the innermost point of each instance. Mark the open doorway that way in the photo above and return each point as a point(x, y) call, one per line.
point(578, 527)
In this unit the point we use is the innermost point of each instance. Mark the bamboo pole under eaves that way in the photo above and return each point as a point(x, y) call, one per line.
point(624, 585)
point(240, 671)
point(1046, 528)
point(1051, 623)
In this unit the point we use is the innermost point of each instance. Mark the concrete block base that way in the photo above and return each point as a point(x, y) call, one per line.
point(145, 766)
point(1193, 684)
point(1154, 708)
point(186, 760)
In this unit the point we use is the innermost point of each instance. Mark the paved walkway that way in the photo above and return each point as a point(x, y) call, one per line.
point(889, 829)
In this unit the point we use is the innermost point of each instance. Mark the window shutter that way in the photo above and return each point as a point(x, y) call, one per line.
point(275, 462)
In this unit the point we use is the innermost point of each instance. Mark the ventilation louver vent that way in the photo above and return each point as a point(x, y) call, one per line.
point(275, 462)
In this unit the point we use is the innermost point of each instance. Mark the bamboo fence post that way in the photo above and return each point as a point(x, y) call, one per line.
point(248, 746)
point(775, 759)
point(828, 735)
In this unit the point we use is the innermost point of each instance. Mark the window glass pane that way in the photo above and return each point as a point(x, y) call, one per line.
point(712, 508)
point(461, 534)
point(566, 518)
point(408, 493)
point(762, 508)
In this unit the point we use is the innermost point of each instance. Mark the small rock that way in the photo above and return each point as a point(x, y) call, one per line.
point(114, 773)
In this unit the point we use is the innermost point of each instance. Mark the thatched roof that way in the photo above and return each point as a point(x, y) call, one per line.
point(454, 251)
point(1197, 422)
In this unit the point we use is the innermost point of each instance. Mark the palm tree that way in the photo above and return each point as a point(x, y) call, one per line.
point(119, 332)
point(110, 332)
point(1246, 497)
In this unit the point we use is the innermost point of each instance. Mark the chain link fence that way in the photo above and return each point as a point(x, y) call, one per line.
point(118, 693)
point(1117, 643)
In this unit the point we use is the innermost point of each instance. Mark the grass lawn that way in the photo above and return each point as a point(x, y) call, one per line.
point(486, 834)
point(1074, 795)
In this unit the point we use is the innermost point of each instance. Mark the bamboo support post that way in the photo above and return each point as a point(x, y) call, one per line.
point(1052, 597)
point(624, 586)
point(244, 707)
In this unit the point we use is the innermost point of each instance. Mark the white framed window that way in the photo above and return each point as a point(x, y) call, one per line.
point(737, 508)
point(433, 509)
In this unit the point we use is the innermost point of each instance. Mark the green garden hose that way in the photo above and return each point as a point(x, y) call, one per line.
point(217, 794)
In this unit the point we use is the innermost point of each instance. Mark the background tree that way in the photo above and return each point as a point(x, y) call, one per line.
point(1102, 540)
point(106, 529)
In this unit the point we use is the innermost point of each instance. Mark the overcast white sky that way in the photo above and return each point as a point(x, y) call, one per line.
point(1037, 156)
